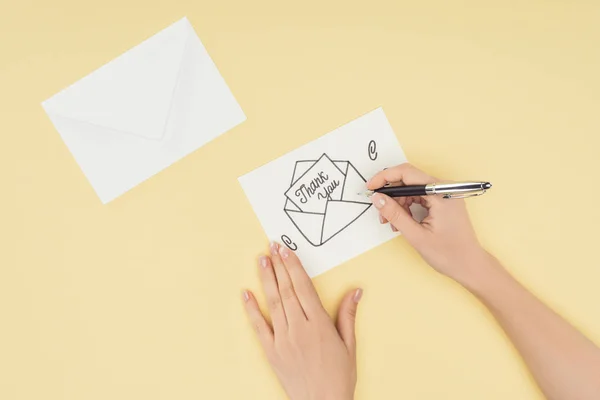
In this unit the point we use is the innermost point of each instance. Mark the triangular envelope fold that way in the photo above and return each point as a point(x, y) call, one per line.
point(353, 185)
point(131, 94)
point(289, 206)
point(339, 215)
point(309, 224)
point(300, 168)
point(342, 165)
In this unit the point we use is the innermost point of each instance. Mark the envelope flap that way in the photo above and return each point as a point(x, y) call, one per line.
point(310, 225)
point(340, 215)
point(133, 92)
point(301, 168)
point(354, 185)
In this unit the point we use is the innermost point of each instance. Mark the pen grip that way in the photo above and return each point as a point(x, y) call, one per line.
point(403, 191)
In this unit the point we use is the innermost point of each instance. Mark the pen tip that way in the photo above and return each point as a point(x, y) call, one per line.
point(487, 185)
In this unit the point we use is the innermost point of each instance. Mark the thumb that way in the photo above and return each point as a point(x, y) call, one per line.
point(347, 317)
point(397, 216)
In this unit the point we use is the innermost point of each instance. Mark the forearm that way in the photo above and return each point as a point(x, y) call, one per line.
point(564, 363)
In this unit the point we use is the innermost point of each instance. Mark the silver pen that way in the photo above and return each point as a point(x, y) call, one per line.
point(455, 190)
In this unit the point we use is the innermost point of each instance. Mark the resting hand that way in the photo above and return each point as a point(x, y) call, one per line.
point(445, 238)
point(313, 358)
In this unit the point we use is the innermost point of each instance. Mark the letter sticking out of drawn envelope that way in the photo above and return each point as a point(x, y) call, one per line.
point(314, 187)
point(323, 199)
point(144, 110)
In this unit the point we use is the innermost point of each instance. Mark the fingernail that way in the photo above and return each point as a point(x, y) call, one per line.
point(381, 219)
point(264, 261)
point(357, 295)
point(378, 200)
point(246, 296)
point(274, 247)
point(284, 252)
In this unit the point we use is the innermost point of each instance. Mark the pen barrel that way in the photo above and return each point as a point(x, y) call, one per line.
point(402, 191)
point(456, 188)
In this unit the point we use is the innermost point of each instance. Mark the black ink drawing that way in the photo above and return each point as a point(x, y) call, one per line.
point(373, 150)
point(289, 243)
point(323, 198)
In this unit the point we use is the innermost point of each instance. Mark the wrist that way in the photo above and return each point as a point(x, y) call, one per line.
point(480, 271)
point(333, 394)
point(335, 397)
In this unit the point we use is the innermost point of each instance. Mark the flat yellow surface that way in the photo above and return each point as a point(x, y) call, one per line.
point(140, 299)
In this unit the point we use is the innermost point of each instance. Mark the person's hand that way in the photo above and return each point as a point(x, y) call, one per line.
point(445, 238)
point(313, 358)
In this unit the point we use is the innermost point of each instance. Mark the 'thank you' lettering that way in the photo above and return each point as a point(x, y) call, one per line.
point(322, 181)
point(304, 193)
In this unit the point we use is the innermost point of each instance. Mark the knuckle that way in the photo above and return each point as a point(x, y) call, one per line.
point(394, 215)
point(403, 168)
point(258, 327)
point(300, 277)
point(291, 264)
point(306, 289)
point(274, 302)
point(287, 292)
point(351, 312)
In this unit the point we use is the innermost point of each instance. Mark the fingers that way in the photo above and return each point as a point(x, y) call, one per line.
point(347, 317)
point(405, 202)
point(291, 304)
point(260, 325)
point(274, 303)
point(404, 173)
point(398, 216)
point(303, 286)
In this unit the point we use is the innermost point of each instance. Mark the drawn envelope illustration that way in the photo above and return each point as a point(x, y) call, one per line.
point(144, 110)
point(323, 198)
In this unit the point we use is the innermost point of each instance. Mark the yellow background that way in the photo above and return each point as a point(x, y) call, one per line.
point(140, 299)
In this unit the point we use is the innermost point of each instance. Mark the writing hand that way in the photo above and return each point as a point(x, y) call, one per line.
point(445, 238)
point(313, 358)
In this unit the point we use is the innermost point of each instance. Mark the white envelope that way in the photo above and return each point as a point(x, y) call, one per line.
point(342, 206)
point(144, 110)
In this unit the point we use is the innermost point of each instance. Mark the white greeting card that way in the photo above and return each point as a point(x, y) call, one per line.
point(312, 200)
